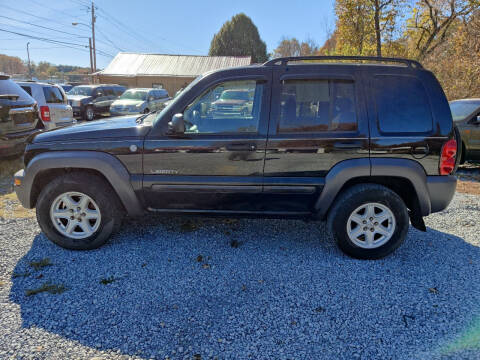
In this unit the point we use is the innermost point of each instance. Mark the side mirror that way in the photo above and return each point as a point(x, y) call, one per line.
point(176, 125)
point(151, 98)
point(477, 120)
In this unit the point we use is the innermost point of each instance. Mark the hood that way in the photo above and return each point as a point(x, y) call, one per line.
point(229, 102)
point(77, 97)
point(111, 128)
point(127, 102)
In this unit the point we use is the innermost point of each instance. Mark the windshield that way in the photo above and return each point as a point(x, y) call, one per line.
point(174, 101)
point(81, 90)
point(234, 95)
point(134, 95)
point(461, 109)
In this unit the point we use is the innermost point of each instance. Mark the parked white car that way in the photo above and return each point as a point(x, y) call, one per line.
point(53, 106)
point(139, 101)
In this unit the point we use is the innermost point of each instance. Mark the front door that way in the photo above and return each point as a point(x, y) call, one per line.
point(217, 164)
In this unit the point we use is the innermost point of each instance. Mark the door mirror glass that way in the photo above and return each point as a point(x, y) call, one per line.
point(176, 125)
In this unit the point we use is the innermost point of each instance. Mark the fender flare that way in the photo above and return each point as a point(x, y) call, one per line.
point(347, 170)
point(108, 165)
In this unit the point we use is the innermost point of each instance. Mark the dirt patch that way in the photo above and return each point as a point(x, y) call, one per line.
point(7, 169)
point(468, 187)
point(10, 208)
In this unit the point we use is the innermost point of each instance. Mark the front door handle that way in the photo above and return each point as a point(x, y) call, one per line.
point(241, 147)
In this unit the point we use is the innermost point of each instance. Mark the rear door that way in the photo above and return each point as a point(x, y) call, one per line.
point(60, 112)
point(318, 119)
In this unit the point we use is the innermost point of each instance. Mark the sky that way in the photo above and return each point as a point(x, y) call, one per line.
point(149, 26)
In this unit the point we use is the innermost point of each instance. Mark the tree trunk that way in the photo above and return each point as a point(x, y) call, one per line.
point(377, 28)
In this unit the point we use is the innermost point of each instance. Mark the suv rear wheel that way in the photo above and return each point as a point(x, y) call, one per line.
point(78, 211)
point(368, 221)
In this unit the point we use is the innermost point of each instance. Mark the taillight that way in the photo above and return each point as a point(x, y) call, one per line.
point(447, 160)
point(45, 113)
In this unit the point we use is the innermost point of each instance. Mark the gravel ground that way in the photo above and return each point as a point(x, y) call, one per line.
point(262, 289)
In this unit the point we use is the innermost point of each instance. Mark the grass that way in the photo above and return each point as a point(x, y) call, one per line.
point(39, 265)
point(109, 280)
point(46, 287)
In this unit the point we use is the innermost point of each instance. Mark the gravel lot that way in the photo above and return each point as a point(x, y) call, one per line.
point(204, 288)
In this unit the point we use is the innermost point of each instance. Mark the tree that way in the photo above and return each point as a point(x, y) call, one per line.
point(11, 65)
point(431, 22)
point(292, 47)
point(364, 25)
point(239, 37)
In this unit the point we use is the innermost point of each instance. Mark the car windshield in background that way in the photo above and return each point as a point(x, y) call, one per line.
point(235, 95)
point(81, 90)
point(53, 94)
point(134, 95)
point(461, 109)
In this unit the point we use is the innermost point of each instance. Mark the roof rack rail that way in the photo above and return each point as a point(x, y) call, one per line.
point(285, 60)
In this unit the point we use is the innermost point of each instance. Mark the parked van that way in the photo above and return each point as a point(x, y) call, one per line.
point(52, 102)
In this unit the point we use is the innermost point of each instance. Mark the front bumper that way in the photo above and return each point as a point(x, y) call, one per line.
point(77, 111)
point(20, 189)
point(114, 112)
point(441, 190)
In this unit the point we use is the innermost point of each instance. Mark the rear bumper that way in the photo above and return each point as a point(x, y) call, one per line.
point(441, 190)
point(14, 144)
point(20, 190)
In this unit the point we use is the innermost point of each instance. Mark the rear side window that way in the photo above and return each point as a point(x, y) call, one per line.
point(28, 89)
point(53, 95)
point(402, 105)
point(317, 106)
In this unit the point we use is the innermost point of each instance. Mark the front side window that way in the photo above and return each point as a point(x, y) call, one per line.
point(461, 109)
point(317, 106)
point(53, 95)
point(230, 107)
point(402, 105)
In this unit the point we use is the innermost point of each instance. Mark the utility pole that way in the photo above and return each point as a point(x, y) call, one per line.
point(91, 58)
point(29, 67)
point(93, 38)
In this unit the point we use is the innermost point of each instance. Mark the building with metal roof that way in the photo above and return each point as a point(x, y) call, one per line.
point(171, 72)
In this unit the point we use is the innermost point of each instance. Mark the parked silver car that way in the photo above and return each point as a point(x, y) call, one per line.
point(52, 103)
point(139, 101)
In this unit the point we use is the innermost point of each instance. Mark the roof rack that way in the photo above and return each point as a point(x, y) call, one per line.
point(285, 60)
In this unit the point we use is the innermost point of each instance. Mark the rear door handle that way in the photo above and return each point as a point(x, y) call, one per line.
point(241, 147)
point(348, 145)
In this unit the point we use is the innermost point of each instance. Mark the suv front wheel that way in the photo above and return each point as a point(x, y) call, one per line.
point(78, 211)
point(368, 221)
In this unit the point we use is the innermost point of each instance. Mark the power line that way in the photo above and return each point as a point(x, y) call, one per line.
point(43, 27)
point(53, 41)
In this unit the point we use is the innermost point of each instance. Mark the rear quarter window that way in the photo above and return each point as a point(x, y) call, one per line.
point(28, 89)
point(402, 105)
point(53, 95)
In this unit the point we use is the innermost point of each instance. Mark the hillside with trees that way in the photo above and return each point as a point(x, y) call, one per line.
point(43, 70)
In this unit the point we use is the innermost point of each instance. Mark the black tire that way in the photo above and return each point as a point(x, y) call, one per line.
point(98, 190)
point(354, 197)
point(460, 158)
point(89, 114)
point(146, 111)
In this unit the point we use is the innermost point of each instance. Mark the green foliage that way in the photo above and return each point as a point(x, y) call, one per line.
point(239, 37)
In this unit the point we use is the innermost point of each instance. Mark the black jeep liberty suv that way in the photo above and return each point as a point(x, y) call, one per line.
point(366, 143)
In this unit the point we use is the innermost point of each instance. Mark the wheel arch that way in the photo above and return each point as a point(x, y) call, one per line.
point(405, 177)
point(46, 166)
